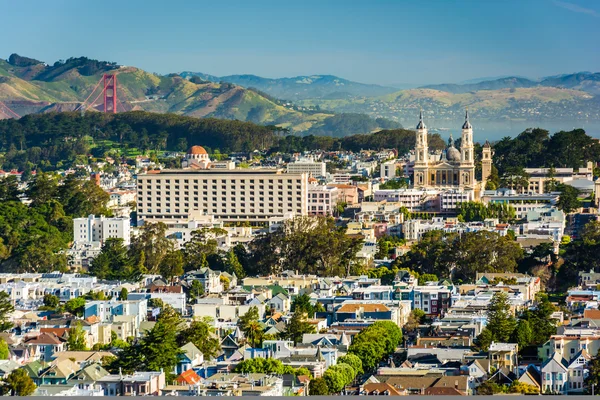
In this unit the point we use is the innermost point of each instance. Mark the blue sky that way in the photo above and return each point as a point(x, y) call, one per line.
point(401, 41)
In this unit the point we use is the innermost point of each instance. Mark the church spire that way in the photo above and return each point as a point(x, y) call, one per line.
point(421, 124)
point(467, 124)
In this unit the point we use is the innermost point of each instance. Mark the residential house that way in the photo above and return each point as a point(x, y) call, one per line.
point(504, 355)
point(190, 358)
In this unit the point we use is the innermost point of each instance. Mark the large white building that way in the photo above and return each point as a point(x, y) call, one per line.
point(322, 199)
point(252, 195)
point(413, 199)
point(309, 167)
point(97, 229)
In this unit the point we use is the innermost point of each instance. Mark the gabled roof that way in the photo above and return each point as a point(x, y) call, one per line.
point(557, 358)
point(189, 377)
point(190, 350)
point(44, 339)
point(91, 373)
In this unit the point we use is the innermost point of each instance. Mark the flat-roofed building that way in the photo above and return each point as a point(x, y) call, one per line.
point(252, 195)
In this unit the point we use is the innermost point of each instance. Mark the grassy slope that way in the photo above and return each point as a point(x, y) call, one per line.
point(178, 95)
point(495, 99)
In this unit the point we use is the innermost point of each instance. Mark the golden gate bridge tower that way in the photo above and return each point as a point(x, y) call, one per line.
point(110, 93)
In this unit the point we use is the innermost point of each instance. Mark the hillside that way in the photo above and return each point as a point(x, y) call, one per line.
point(584, 81)
point(301, 87)
point(532, 103)
point(30, 86)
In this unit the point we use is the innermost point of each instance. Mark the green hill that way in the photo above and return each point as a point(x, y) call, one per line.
point(30, 86)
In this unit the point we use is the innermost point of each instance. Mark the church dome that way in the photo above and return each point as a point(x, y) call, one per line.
point(197, 150)
point(452, 154)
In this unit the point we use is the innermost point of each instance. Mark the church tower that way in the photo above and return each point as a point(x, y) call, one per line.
point(421, 155)
point(467, 161)
point(486, 163)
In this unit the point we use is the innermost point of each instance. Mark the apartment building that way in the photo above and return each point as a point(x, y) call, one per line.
point(412, 199)
point(309, 167)
point(98, 229)
point(252, 195)
point(322, 199)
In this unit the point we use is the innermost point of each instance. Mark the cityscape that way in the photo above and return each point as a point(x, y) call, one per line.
point(224, 234)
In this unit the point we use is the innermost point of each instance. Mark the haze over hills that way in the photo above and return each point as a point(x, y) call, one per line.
point(585, 81)
point(301, 87)
point(318, 104)
point(30, 86)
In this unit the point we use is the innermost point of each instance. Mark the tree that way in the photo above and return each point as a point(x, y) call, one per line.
point(124, 294)
point(18, 383)
point(202, 244)
point(250, 326)
point(523, 388)
point(51, 301)
point(155, 246)
point(335, 379)
point(43, 189)
point(196, 290)
point(159, 346)
point(522, 334)
point(311, 245)
point(568, 200)
point(488, 388)
point(485, 339)
point(501, 322)
point(593, 378)
point(297, 327)
point(202, 335)
point(6, 309)
point(303, 304)
point(113, 262)
point(4, 352)
point(318, 387)
point(539, 320)
point(375, 343)
point(76, 306)
point(353, 361)
point(415, 319)
point(76, 340)
point(233, 265)
point(171, 265)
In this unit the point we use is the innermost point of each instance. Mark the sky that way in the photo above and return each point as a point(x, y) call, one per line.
point(376, 41)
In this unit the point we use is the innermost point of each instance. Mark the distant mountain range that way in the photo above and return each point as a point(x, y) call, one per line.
point(326, 87)
point(316, 104)
point(585, 81)
point(31, 86)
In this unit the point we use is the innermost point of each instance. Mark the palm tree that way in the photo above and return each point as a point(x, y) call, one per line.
point(254, 334)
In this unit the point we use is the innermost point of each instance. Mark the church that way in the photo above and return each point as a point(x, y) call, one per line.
point(453, 168)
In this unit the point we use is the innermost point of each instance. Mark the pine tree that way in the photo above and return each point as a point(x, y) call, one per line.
point(501, 321)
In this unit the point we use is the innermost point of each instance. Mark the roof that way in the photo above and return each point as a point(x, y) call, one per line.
point(44, 338)
point(190, 350)
point(197, 150)
point(592, 314)
point(373, 387)
point(366, 307)
point(189, 377)
point(443, 391)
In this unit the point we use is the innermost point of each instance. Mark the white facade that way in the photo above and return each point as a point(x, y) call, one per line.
point(322, 199)
point(229, 195)
point(388, 170)
point(312, 168)
point(412, 199)
point(98, 229)
point(450, 199)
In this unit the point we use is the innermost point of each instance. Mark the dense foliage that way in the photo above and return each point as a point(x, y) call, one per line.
point(309, 245)
point(58, 140)
point(463, 256)
point(537, 148)
point(376, 342)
